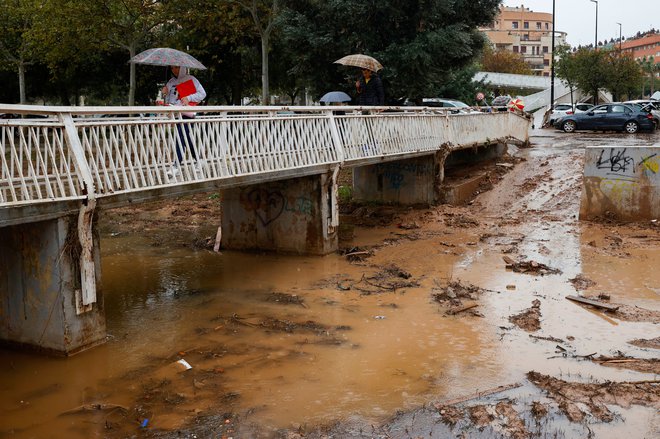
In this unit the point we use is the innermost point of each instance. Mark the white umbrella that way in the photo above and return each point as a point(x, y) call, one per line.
point(335, 96)
point(164, 56)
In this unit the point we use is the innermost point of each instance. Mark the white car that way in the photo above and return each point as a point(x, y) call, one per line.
point(559, 111)
point(453, 105)
point(582, 107)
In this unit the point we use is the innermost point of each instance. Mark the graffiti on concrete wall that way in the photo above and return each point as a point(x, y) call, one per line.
point(395, 172)
point(269, 205)
point(625, 181)
point(623, 163)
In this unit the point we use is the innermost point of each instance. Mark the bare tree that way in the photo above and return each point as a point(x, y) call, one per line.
point(264, 14)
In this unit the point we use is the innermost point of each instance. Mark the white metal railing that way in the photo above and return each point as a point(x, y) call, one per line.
point(91, 152)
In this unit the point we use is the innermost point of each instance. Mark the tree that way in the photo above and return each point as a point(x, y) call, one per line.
point(591, 70)
point(650, 68)
point(624, 75)
point(229, 51)
point(16, 48)
point(419, 42)
point(126, 24)
point(264, 14)
point(503, 61)
point(566, 68)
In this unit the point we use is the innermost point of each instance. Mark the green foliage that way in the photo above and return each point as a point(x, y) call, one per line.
point(625, 76)
point(591, 70)
point(81, 47)
point(419, 42)
point(503, 61)
point(345, 194)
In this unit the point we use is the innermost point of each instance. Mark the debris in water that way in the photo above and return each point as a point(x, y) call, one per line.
point(184, 364)
point(529, 267)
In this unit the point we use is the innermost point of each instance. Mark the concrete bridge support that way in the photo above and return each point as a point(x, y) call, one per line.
point(409, 181)
point(624, 182)
point(419, 180)
point(40, 288)
point(297, 215)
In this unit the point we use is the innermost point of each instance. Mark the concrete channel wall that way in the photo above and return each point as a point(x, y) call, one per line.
point(621, 181)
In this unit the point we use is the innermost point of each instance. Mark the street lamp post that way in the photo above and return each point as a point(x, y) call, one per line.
point(596, 43)
point(620, 37)
point(596, 37)
point(552, 60)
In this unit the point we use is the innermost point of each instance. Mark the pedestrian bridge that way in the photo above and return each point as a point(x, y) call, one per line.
point(541, 98)
point(276, 168)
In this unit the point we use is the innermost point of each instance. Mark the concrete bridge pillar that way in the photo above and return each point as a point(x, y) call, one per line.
point(408, 181)
point(40, 288)
point(298, 215)
point(418, 180)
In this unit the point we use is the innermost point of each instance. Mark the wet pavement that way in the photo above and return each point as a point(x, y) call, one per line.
point(282, 342)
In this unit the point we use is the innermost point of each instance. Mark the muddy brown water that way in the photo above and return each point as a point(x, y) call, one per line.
point(336, 353)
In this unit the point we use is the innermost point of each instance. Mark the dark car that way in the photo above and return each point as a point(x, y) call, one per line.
point(500, 103)
point(614, 116)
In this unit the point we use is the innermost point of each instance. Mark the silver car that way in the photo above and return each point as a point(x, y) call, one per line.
point(651, 106)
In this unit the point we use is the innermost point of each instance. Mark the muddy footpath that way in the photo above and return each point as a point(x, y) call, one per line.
point(503, 317)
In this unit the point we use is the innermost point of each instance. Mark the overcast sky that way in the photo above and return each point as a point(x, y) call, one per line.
point(577, 17)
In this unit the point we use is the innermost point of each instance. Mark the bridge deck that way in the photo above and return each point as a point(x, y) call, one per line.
point(115, 154)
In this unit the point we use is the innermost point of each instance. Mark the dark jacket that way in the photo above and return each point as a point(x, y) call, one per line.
point(372, 92)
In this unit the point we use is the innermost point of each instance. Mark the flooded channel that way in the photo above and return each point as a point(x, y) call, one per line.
point(289, 341)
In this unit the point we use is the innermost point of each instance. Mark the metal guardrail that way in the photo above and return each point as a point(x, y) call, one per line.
point(71, 153)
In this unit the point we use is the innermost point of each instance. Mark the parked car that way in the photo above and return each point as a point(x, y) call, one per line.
point(582, 107)
point(560, 110)
point(652, 106)
point(456, 105)
point(613, 116)
point(500, 103)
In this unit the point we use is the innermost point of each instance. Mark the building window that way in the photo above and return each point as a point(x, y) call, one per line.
point(526, 25)
point(546, 62)
point(515, 49)
point(546, 74)
point(547, 26)
point(523, 49)
point(538, 25)
point(545, 49)
point(514, 25)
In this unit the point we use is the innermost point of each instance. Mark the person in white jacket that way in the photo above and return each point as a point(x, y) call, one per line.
point(183, 89)
point(171, 94)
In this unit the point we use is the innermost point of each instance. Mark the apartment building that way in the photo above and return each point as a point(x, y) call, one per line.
point(521, 30)
point(643, 48)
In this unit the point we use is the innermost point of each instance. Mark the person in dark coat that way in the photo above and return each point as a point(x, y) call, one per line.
point(370, 89)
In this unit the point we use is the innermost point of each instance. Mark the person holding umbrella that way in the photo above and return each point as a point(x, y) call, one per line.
point(370, 88)
point(183, 89)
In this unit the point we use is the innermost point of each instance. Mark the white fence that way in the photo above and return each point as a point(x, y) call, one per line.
point(69, 153)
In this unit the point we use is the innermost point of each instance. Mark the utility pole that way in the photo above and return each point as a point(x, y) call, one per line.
point(596, 35)
point(596, 44)
point(620, 39)
point(552, 60)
